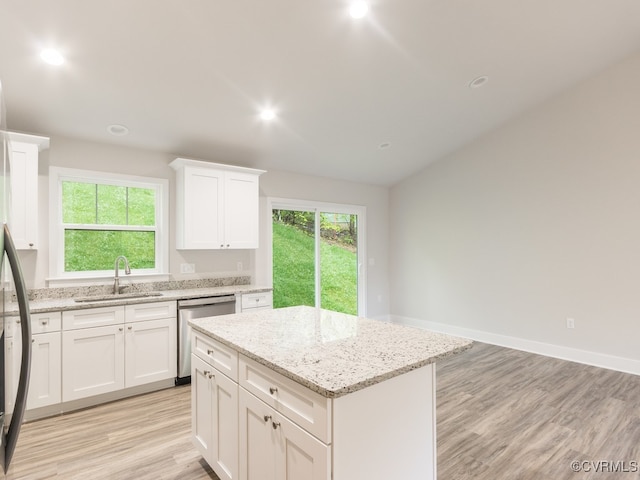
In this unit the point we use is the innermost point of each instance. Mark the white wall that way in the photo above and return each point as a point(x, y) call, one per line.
point(536, 222)
point(73, 153)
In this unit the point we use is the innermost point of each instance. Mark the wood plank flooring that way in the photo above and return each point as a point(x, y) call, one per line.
point(502, 414)
point(508, 414)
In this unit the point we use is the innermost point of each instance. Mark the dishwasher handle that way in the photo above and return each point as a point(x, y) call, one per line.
point(197, 302)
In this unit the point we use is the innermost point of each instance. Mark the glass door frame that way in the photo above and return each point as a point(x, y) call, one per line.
point(317, 208)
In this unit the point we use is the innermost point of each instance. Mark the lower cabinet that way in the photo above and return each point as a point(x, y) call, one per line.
point(123, 346)
point(150, 351)
point(274, 448)
point(45, 377)
point(92, 361)
point(214, 407)
point(242, 437)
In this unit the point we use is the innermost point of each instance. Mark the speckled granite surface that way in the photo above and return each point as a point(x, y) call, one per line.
point(330, 353)
point(61, 299)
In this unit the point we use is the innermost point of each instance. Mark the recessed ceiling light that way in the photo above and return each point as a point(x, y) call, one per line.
point(267, 114)
point(118, 130)
point(52, 56)
point(478, 81)
point(358, 9)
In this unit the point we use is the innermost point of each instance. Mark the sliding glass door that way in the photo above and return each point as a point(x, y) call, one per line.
point(317, 256)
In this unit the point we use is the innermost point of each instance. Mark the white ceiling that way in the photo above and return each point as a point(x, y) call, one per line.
point(188, 77)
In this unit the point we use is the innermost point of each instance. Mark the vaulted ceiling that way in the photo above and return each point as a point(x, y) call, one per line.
point(372, 100)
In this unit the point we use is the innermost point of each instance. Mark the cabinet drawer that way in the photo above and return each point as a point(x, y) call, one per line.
point(46, 322)
point(150, 311)
point(92, 317)
point(215, 354)
point(304, 407)
point(256, 300)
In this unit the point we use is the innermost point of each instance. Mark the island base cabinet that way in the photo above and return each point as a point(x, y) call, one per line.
point(387, 430)
point(274, 448)
point(214, 407)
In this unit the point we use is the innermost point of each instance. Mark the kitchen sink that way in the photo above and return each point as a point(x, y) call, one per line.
point(116, 296)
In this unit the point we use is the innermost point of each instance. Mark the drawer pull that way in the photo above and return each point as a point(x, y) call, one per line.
point(209, 351)
point(44, 322)
point(130, 327)
point(267, 418)
point(120, 329)
point(275, 425)
point(273, 390)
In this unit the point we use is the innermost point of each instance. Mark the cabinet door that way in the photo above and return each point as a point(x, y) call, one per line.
point(45, 385)
point(225, 426)
point(201, 408)
point(241, 210)
point(202, 225)
point(150, 351)
point(299, 455)
point(24, 194)
point(92, 361)
point(257, 439)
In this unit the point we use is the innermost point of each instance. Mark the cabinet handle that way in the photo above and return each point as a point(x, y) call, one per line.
point(221, 246)
point(206, 373)
point(31, 244)
point(267, 418)
point(209, 352)
point(273, 390)
point(44, 322)
point(275, 425)
point(130, 327)
point(228, 245)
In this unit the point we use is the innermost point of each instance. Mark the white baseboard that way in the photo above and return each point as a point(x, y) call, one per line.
point(586, 357)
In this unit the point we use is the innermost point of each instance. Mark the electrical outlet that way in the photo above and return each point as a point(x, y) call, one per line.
point(571, 323)
point(187, 268)
point(239, 266)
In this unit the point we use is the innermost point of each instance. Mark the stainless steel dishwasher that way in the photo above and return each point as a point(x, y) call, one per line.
point(197, 308)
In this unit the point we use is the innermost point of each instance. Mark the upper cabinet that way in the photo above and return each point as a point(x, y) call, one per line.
point(217, 206)
point(23, 172)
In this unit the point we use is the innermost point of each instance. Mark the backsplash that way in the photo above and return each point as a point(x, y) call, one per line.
point(68, 292)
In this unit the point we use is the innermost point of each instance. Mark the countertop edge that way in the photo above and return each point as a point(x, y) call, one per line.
point(322, 390)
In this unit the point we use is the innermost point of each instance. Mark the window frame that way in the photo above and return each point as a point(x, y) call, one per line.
point(317, 208)
point(58, 175)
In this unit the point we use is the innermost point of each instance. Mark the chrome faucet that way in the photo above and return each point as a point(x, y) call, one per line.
point(116, 279)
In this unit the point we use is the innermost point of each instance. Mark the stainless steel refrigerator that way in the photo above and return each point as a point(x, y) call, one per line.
point(12, 282)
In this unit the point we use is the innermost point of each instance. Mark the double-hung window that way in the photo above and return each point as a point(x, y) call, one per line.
point(96, 217)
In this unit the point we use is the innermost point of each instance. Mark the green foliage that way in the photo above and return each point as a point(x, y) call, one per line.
point(91, 204)
point(294, 271)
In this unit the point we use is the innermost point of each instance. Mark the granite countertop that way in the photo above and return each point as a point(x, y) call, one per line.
point(41, 305)
point(328, 352)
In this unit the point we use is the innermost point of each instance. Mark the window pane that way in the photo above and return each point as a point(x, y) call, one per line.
point(293, 258)
point(86, 250)
point(78, 202)
point(142, 206)
point(112, 205)
point(339, 262)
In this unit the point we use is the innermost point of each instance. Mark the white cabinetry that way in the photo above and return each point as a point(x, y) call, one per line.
point(45, 378)
point(23, 161)
point(92, 352)
point(255, 302)
point(214, 405)
point(273, 447)
point(150, 343)
point(110, 348)
point(217, 206)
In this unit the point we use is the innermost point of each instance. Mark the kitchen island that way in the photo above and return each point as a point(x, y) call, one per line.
point(310, 394)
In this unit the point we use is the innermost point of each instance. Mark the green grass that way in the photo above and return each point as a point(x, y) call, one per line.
point(293, 272)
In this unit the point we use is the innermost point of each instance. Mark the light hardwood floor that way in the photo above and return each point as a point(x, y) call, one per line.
point(502, 414)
